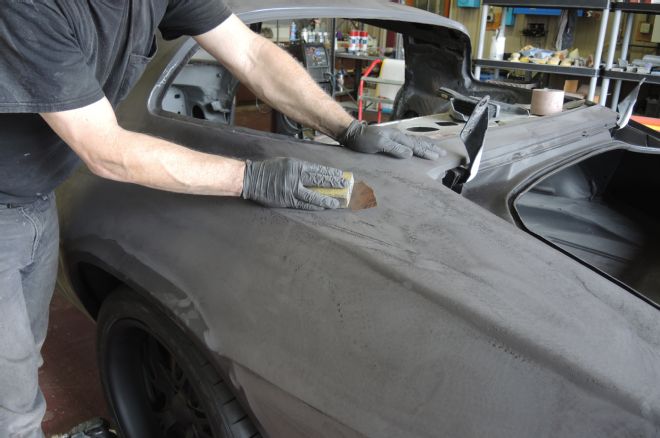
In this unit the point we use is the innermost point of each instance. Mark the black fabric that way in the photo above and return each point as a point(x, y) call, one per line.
point(57, 55)
point(192, 17)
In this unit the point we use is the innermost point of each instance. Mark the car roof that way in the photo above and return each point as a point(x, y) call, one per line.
point(252, 11)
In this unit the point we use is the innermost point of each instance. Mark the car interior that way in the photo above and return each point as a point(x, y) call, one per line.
point(597, 211)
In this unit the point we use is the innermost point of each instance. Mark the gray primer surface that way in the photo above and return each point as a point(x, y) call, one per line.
point(427, 316)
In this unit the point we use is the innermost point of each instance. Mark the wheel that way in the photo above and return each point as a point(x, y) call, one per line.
point(157, 383)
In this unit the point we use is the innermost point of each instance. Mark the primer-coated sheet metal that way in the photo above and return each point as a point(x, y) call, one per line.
point(425, 316)
point(252, 11)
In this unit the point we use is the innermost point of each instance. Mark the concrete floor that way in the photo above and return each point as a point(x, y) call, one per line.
point(69, 377)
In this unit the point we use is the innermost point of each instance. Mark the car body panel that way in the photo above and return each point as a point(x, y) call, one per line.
point(252, 11)
point(524, 149)
point(375, 317)
point(425, 316)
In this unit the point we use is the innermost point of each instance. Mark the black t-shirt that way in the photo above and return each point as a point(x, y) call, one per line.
point(57, 55)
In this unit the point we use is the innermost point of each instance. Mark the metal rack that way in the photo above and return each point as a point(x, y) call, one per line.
point(592, 73)
point(631, 9)
point(541, 68)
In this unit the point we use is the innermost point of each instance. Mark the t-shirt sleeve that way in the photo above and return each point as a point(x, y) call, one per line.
point(192, 17)
point(42, 67)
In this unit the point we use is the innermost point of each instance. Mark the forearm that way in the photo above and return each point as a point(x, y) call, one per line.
point(274, 76)
point(115, 153)
point(153, 162)
point(282, 82)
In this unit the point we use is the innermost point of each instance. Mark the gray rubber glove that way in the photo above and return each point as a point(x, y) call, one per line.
point(367, 139)
point(280, 182)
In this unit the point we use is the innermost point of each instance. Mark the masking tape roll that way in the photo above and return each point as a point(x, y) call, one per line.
point(546, 101)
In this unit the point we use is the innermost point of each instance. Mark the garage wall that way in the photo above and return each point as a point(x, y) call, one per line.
point(585, 38)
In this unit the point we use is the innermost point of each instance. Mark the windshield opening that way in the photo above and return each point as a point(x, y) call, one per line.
point(204, 89)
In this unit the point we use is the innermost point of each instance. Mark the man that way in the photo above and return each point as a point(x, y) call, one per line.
point(64, 65)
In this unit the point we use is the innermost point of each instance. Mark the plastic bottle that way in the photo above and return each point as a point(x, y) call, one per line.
point(497, 47)
point(292, 35)
point(304, 34)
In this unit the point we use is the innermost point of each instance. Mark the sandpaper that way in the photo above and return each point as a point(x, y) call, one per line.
point(363, 197)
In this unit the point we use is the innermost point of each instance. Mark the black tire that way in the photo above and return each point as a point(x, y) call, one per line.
point(156, 381)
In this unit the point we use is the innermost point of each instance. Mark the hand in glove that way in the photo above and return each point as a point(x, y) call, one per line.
point(279, 182)
point(368, 139)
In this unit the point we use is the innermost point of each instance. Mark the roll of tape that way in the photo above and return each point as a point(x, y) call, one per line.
point(546, 101)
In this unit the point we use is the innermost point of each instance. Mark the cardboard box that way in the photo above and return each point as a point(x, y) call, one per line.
point(571, 85)
point(584, 90)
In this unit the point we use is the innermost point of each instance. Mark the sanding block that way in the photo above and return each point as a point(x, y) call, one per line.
point(343, 195)
point(356, 196)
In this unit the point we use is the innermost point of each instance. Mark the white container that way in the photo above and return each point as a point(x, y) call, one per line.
point(497, 47)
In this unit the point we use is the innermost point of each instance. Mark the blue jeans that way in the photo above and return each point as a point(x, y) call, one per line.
point(29, 241)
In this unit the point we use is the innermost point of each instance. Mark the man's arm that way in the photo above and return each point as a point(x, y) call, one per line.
point(274, 76)
point(115, 153)
point(277, 78)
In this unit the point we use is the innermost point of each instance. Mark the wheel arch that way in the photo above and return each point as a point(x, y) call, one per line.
point(92, 269)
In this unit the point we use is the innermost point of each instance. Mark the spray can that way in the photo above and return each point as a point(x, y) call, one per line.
point(364, 42)
point(354, 36)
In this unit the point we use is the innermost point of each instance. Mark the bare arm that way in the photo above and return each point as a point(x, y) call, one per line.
point(115, 153)
point(274, 76)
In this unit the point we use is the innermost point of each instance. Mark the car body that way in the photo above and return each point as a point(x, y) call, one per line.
point(433, 314)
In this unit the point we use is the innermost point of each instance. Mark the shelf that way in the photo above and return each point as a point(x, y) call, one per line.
point(631, 77)
point(374, 80)
point(541, 68)
point(344, 92)
point(554, 4)
point(637, 8)
point(371, 99)
point(345, 55)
